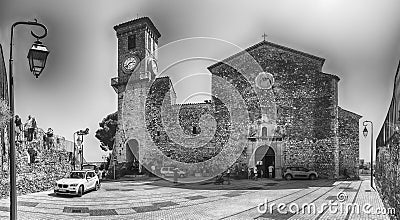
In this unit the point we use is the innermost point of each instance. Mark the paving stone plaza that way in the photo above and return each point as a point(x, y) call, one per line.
point(242, 199)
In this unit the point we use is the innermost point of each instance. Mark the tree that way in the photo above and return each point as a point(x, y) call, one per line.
point(107, 130)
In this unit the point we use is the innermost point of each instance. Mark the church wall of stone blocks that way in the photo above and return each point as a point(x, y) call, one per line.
point(296, 121)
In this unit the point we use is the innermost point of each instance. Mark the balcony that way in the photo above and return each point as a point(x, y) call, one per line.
point(117, 81)
point(264, 138)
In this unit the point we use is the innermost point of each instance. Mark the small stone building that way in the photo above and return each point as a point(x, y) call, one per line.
point(292, 113)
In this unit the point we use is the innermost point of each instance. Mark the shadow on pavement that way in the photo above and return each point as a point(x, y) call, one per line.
point(244, 184)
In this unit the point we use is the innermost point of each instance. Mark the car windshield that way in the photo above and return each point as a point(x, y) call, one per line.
point(77, 175)
point(89, 167)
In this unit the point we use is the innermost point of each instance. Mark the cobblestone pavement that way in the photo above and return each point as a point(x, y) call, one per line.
point(239, 200)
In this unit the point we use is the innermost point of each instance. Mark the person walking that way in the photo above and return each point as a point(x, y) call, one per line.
point(176, 175)
point(98, 173)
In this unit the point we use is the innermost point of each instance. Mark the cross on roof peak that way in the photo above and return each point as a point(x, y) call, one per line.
point(264, 36)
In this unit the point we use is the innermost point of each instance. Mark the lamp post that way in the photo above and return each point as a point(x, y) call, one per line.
point(79, 148)
point(365, 133)
point(37, 57)
point(74, 159)
point(82, 133)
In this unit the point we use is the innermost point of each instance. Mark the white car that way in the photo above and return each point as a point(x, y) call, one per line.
point(77, 182)
point(299, 173)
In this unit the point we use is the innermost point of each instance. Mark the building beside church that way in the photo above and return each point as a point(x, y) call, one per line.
point(387, 169)
point(293, 117)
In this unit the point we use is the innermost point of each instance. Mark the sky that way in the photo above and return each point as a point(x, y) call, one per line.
point(359, 40)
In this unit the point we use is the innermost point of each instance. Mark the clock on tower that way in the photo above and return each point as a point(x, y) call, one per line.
point(137, 50)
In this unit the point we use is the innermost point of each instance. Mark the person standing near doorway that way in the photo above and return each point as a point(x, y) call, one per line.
point(255, 173)
point(270, 171)
point(228, 175)
point(176, 175)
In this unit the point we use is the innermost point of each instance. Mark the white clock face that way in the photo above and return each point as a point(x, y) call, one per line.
point(264, 80)
point(130, 63)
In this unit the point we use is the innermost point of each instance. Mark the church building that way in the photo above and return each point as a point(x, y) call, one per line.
point(280, 109)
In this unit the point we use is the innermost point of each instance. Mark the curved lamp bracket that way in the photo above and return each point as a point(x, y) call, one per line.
point(44, 28)
point(32, 23)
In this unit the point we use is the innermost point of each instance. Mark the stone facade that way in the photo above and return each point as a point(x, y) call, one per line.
point(348, 144)
point(296, 122)
point(304, 102)
point(387, 172)
point(387, 168)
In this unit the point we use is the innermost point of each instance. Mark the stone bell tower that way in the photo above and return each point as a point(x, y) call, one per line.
point(137, 68)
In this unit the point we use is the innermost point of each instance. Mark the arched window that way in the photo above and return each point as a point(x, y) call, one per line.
point(131, 42)
point(264, 132)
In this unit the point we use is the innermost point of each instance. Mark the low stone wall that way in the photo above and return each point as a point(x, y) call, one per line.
point(36, 177)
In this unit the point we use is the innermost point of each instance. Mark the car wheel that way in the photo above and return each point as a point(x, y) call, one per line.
point(80, 191)
point(288, 177)
point(97, 186)
point(312, 177)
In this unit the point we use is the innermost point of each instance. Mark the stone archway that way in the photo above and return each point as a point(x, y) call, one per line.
point(132, 155)
point(265, 157)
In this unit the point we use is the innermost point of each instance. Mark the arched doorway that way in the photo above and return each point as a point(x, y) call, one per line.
point(264, 158)
point(132, 155)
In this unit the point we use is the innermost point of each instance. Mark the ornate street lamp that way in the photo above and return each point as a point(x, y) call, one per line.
point(37, 57)
point(365, 133)
point(79, 141)
point(37, 61)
